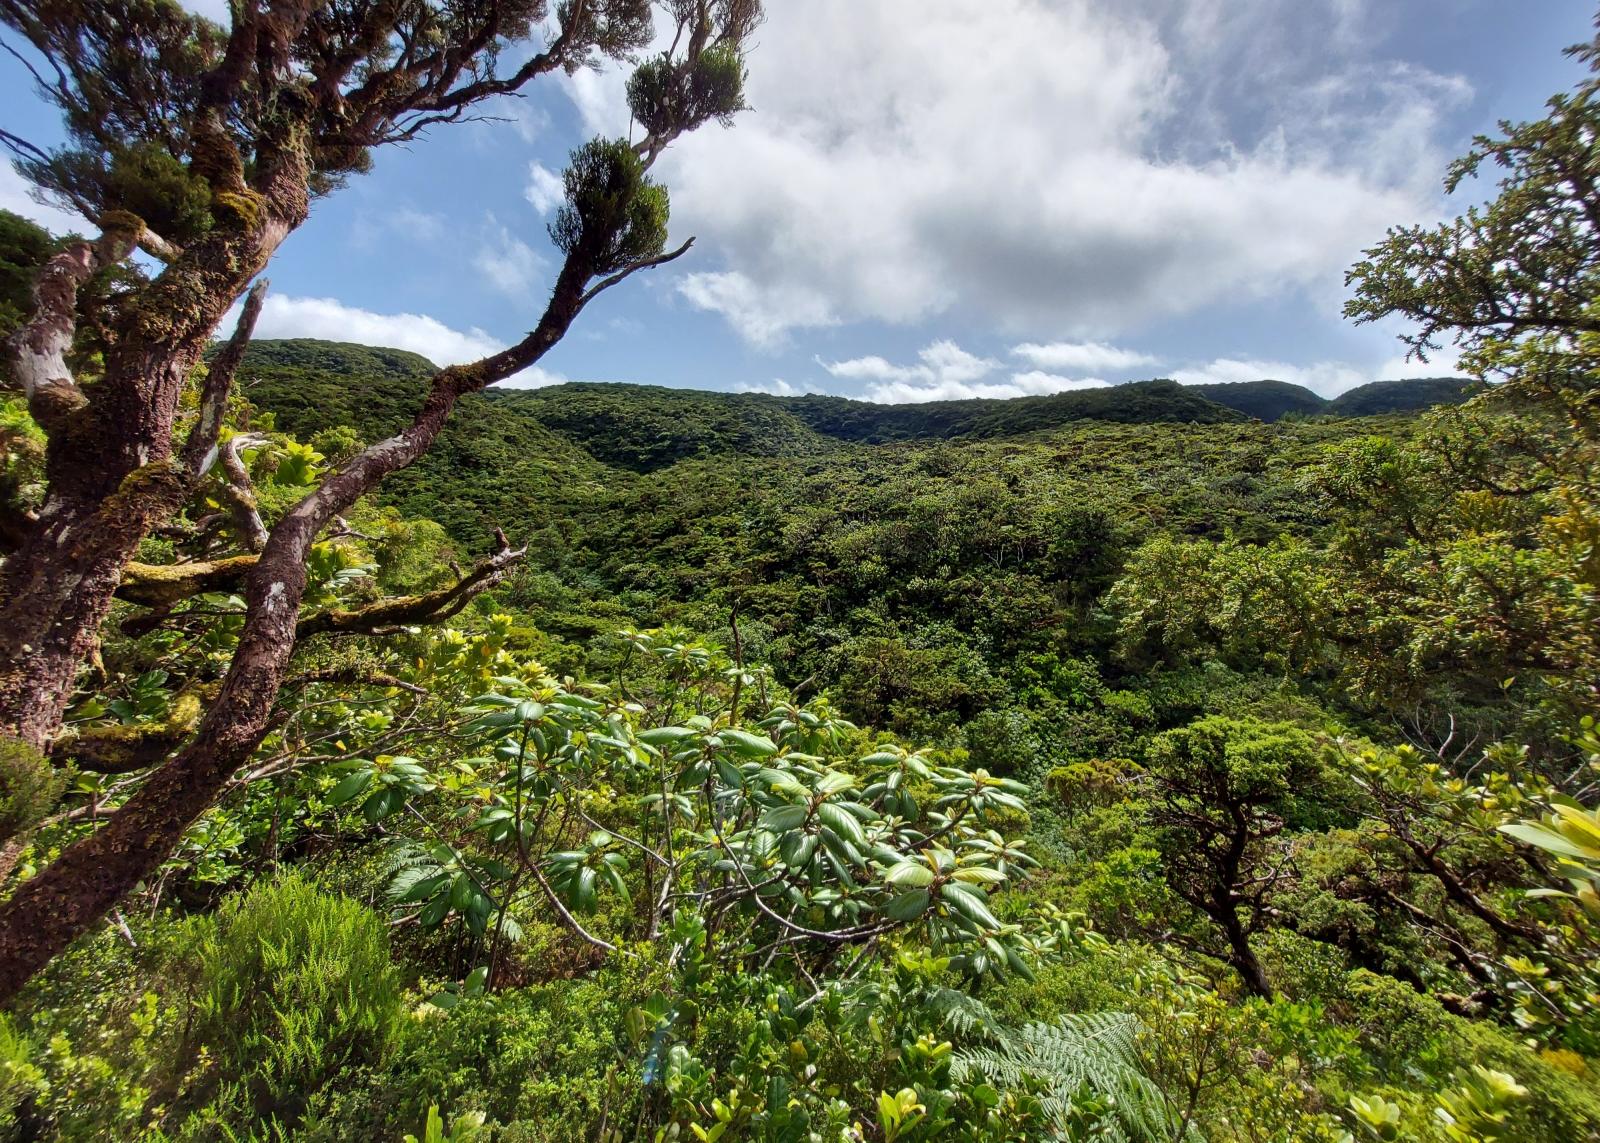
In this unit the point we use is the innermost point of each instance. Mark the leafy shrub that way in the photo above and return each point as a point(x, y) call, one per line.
point(293, 985)
point(21, 1081)
point(29, 786)
point(541, 1060)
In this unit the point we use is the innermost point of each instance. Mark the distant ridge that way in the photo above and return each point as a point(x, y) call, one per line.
point(1271, 400)
point(310, 385)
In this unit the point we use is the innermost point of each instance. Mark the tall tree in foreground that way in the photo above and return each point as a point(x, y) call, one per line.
point(204, 148)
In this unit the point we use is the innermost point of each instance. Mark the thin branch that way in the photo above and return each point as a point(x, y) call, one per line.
point(38, 350)
point(388, 615)
point(200, 449)
point(240, 491)
point(649, 263)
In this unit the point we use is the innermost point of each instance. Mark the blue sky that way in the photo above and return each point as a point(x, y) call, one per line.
point(960, 198)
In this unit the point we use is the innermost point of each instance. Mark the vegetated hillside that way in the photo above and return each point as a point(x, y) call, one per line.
point(312, 385)
point(485, 468)
point(645, 427)
point(1265, 400)
point(1402, 396)
point(1143, 402)
point(1270, 400)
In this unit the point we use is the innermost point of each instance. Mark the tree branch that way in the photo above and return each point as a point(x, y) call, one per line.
point(126, 749)
point(200, 448)
point(240, 492)
point(623, 274)
point(39, 349)
point(389, 615)
point(163, 585)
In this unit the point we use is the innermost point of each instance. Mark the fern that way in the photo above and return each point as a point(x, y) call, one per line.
point(1088, 1065)
point(963, 1014)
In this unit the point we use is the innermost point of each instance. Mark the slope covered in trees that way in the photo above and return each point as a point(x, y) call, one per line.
point(1271, 400)
point(313, 385)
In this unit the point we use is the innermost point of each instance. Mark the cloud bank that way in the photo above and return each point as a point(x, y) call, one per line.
point(332, 320)
point(1066, 167)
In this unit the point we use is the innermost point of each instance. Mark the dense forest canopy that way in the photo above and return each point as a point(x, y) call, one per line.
point(388, 756)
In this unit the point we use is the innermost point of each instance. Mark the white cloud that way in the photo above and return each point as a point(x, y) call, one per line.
point(332, 320)
point(944, 371)
point(1081, 355)
point(1325, 378)
point(510, 264)
point(942, 362)
point(1441, 363)
point(763, 315)
point(15, 197)
point(545, 189)
point(376, 227)
point(777, 387)
point(1080, 164)
point(1033, 383)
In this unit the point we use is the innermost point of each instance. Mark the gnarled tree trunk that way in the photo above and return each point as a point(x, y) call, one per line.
point(108, 461)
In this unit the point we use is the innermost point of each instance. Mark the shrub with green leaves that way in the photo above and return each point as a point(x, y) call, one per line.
point(292, 986)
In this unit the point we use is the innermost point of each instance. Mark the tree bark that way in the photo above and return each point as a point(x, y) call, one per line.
point(52, 909)
point(1243, 958)
point(108, 461)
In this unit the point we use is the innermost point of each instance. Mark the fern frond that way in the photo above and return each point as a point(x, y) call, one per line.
point(1088, 1063)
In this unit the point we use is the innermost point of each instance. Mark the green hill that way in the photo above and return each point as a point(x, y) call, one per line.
point(312, 385)
point(1272, 400)
point(1402, 396)
point(1265, 400)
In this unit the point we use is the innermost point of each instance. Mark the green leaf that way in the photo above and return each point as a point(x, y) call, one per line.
point(911, 873)
point(664, 735)
point(347, 789)
point(908, 906)
point(797, 849)
point(1546, 839)
point(782, 819)
point(383, 803)
point(434, 911)
point(842, 822)
point(966, 901)
point(423, 889)
point(749, 745)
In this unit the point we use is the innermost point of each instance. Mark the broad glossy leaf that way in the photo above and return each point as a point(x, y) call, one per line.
point(908, 906)
point(910, 873)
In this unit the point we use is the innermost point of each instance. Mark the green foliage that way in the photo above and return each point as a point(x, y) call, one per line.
point(21, 1080)
point(1275, 400)
point(1413, 395)
point(1101, 765)
point(614, 216)
point(29, 787)
point(292, 986)
point(668, 97)
point(463, 1128)
point(24, 247)
point(1091, 1070)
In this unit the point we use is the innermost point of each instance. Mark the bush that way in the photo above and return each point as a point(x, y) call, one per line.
point(541, 1062)
point(293, 986)
point(29, 787)
point(21, 1082)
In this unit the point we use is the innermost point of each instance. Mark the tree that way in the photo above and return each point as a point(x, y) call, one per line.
point(205, 148)
point(1520, 271)
point(1224, 789)
point(1502, 556)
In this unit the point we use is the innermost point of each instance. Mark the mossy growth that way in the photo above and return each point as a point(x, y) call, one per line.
point(29, 786)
